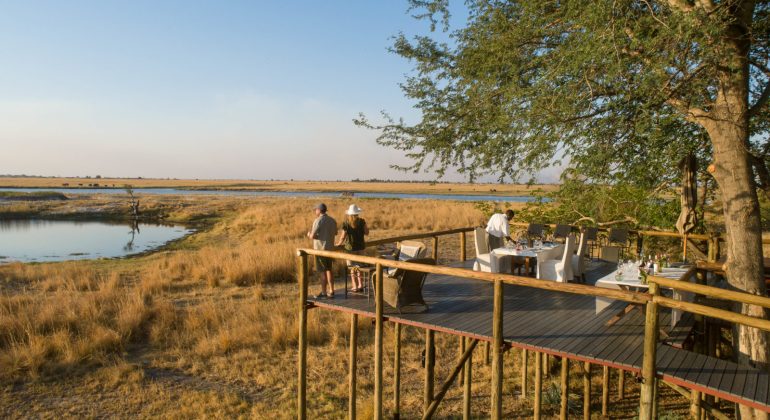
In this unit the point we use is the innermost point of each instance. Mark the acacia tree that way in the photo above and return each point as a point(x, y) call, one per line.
point(623, 89)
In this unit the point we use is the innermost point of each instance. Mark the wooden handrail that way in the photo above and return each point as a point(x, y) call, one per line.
point(742, 297)
point(418, 236)
point(695, 236)
point(704, 310)
point(579, 289)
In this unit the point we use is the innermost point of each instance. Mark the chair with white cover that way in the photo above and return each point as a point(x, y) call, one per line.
point(578, 260)
point(555, 267)
point(408, 250)
point(483, 259)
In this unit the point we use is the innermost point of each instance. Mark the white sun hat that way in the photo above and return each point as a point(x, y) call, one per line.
point(353, 209)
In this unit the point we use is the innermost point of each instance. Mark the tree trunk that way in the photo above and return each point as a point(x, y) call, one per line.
point(728, 127)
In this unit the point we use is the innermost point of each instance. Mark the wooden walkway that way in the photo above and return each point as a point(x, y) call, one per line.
point(564, 324)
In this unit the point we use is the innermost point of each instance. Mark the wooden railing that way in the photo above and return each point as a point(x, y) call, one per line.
point(497, 319)
point(712, 240)
point(652, 300)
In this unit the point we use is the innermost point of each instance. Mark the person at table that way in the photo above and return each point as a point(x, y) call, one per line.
point(499, 229)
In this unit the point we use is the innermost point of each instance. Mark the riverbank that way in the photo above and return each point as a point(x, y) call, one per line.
point(265, 186)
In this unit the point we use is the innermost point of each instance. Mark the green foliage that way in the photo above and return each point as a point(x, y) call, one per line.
point(623, 205)
point(609, 85)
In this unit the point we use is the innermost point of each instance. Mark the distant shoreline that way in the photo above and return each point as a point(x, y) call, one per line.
point(353, 187)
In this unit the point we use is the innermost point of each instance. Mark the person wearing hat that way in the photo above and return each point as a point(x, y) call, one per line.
point(322, 233)
point(353, 231)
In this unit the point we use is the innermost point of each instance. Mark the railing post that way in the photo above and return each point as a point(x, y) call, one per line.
point(497, 355)
point(463, 254)
point(467, 387)
point(397, 372)
point(353, 364)
point(302, 339)
point(524, 365)
point(430, 363)
point(538, 385)
point(564, 389)
point(647, 391)
point(605, 389)
point(378, 345)
point(435, 248)
point(587, 391)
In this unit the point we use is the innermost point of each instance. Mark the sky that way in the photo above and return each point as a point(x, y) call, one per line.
point(201, 89)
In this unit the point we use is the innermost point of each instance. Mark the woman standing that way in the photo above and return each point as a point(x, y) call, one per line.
point(353, 231)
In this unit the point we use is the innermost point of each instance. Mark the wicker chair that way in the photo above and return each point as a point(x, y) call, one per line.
point(404, 287)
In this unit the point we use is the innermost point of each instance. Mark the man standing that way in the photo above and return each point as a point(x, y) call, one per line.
point(498, 229)
point(322, 233)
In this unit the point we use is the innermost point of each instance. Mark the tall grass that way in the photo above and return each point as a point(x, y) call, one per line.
point(60, 316)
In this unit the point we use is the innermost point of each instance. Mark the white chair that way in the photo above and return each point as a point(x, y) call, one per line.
point(578, 260)
point(483, 259)
point(559, 270)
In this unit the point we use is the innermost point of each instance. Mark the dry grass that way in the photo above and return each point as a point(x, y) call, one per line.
point(208, 329)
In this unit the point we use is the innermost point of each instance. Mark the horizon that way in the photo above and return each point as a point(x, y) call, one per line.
point(197, 90)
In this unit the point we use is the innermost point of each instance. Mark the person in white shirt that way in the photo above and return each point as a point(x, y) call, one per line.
point(499, 229)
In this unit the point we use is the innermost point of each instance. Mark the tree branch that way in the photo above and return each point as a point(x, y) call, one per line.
point(692, 114)
point(754, 109)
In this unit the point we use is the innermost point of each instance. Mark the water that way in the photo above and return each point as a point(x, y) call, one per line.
point(310, 194)
point(57, 240)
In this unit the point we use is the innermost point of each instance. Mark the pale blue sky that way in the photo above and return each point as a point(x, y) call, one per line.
point(200, 89)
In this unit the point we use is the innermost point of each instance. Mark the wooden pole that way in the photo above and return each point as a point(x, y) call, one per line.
point(605, 389)
point(467, 387)
point(352, 365)
point(621, 384)
point(397, 372)
point(445, 387)
point(435, 248)
point(463, 253)
point(546, 365)
point(647, 391)
point(695, 397)
point(302, 339)
point(497, 352)
point(538, 385)
point(587, 391)
point(430, 361)
point(378, 344)
point(564, 388)
point(524, 356)
point(684, 247)
point(461, 349)
point(486, 353)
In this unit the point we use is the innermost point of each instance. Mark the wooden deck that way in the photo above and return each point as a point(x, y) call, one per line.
point(565, 324)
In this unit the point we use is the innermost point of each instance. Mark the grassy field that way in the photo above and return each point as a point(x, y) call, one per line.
point(322, 186)
point(207, 327)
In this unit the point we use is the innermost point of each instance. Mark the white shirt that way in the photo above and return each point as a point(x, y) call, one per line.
point(498, 226)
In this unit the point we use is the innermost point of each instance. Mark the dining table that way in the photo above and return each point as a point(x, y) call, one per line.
point(632, 280)
point(529, 254)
